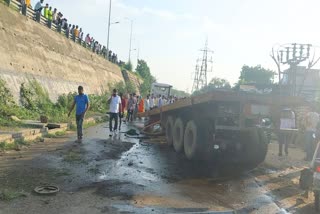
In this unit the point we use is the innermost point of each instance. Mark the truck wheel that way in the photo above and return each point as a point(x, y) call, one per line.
point(169, 129)
point(192, 140)
point(255, 146)
point(178, 130)
point(316, 200)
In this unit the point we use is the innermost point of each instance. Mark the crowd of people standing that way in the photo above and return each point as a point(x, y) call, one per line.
point(132, 104)
point(71, 31)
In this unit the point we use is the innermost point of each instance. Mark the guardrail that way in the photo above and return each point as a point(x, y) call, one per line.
point(38, 17)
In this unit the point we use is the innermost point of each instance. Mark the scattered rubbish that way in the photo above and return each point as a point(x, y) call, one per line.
point(300, 201)
point(131, 132)
point(46, 190)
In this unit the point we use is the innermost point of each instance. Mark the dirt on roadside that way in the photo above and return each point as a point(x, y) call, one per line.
point(128, 175)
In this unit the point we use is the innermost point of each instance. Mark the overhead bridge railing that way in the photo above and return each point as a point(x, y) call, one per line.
point(38, 17)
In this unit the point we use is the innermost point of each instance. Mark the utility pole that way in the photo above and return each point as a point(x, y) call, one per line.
point(201, 73)
point(109, 25)
point(293, 55)
point(130, 43)
point(138, 54)
point(195, 86)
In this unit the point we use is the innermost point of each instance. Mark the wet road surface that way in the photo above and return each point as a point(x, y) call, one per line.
point(128, 175)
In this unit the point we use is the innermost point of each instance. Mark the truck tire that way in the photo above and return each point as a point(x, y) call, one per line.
point(178, 135)
point(256, 146)
point(169, 130)
point(192, 140)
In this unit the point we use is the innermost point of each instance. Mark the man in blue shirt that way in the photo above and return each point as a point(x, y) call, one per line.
point(82, 103)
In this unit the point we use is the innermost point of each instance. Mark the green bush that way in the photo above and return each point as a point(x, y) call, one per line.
point(98, 103)
point(8, 107)
point(35, 101)
point(34, 97)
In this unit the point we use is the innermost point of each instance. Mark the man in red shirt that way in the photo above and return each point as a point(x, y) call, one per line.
point(123, 106)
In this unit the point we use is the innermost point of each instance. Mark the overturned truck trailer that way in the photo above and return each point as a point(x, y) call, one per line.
point(221, 125)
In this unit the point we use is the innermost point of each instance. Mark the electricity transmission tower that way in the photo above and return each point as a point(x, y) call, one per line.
point(201, 71)
point(293, 55)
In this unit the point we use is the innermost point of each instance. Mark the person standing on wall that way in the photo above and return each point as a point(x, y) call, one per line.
point(23, 7)
point(68, 31)
point(115, 108)
point(55, 16)
point(82, 105)
point(38, 8)
point(28, 3)
point(45, 11)
point(75, 33)
point(50, 17)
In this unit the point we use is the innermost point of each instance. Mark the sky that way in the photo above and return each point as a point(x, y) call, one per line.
point(169, 34)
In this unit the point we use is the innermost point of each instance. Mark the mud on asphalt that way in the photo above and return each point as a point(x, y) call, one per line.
point(128, 175)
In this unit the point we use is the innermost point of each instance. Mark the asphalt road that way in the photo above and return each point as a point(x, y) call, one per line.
point(128, 175)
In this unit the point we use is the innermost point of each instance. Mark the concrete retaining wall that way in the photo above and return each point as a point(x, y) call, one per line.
point(30, 50)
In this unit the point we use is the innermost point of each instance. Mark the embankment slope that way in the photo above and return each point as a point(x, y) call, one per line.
point(30, 50)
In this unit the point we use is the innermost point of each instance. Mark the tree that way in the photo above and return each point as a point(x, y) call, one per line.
point(256, 75)
point(215, 83)
point(128, 66)
point(143, 71)
point(179, 93)
point(218, 83)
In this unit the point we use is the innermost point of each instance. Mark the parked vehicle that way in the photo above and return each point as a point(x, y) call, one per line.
point(221, 125)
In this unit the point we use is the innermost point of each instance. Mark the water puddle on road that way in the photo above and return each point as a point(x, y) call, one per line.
point(150, 175)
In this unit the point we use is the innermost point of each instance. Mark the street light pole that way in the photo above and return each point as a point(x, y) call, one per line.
point(138, 52)
point(130, 40)
point(138, 55)
point(109, 25)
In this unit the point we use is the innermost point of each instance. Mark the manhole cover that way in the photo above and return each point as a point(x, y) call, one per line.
point(46, 190)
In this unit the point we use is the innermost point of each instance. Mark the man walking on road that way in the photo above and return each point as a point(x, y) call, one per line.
point(82, 103)
point(115, 108)
point(121, 111)
point(147, 103)
point(130, 108)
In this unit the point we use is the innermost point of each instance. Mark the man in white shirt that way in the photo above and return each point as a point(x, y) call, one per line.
point(115, 108)
point(160, 101)
point(287, 122)
point(147, 103)
point(152, 102)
